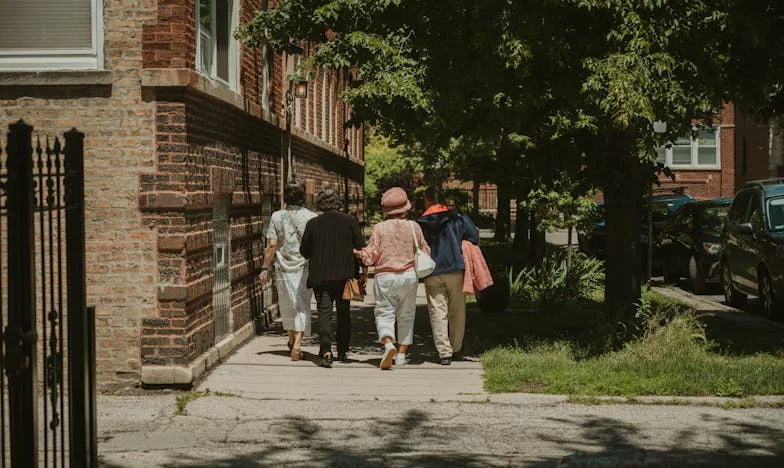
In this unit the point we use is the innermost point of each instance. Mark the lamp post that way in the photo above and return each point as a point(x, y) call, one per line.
point(298, 90)
point(658, 127)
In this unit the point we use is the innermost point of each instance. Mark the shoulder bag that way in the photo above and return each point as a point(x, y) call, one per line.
point(423, 263)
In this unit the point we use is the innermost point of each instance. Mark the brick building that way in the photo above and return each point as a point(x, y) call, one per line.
point(186, 153)
point(715, 162)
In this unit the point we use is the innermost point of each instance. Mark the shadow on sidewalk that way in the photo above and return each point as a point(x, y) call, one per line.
point(364, 338)
point(416, 439)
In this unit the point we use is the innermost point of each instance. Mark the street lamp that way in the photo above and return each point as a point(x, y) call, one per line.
point(658, 127)
point(298, 90)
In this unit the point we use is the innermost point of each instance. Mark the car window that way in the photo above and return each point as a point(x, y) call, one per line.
point(682, 219)
point(712, 216)
point(739, 207)
point(776, 214)
point(754, 217)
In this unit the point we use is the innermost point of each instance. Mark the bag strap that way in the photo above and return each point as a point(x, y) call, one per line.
point(294, 226)
point(413, 233)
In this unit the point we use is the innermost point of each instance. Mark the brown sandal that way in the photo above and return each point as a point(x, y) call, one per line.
point(296, 353)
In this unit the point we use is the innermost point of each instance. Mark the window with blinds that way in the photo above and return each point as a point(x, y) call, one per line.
point(36, 34)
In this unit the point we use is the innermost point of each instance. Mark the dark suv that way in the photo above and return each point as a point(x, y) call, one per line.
point(752, 241)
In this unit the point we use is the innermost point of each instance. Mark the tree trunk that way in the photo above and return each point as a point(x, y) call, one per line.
point(502, 215)
point(521, 231)
point(475, 195)
point(537, 245)
point(622, 202)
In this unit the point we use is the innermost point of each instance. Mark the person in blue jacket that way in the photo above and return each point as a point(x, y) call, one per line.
point(444, 230)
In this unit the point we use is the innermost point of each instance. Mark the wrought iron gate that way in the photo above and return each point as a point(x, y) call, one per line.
point(47, 363)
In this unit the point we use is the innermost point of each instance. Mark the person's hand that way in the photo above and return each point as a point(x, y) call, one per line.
point(264, 277)
point(363, 283)
point(357, 253)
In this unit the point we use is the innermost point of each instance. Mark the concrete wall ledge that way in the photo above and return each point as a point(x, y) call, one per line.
point(188, 375)
point(57, 78)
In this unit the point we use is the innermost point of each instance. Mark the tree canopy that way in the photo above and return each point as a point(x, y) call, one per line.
point(549, 90)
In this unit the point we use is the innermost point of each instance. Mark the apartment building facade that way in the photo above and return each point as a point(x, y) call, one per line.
point(186, 154)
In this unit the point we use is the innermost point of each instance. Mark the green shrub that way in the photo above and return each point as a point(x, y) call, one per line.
point(554, 282)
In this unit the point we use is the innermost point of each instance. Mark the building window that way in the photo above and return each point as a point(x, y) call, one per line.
point(324, 78)
point(221, 288)
point(265, 76)
point(699, 151)
point(41, 34)
point(217, 51)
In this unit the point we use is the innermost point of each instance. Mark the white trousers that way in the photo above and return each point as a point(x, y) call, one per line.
point(294, 300)
point(396, 301)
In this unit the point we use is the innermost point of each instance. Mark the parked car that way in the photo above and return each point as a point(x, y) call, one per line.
point(690, 244)
point(752, 243)
point(592, 241)
point(662, 208)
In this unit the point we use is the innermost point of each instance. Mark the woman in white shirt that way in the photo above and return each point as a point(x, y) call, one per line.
point(284, 236)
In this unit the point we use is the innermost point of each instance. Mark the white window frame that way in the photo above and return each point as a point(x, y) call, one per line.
point(234, 52)
point(324, 78)
point(694, 165)
point(265, 76)
point(61, 59)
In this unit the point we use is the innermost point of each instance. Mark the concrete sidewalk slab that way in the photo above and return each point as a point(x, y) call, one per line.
point(262, 368)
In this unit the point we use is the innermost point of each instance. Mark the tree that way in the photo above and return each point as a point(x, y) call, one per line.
point(386, 167)
point(554, 83)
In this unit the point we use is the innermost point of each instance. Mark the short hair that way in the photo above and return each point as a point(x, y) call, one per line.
point(328, 200)
point(294, 194)
point(433, 194)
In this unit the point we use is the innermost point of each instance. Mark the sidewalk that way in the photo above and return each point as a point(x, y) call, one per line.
point(263, 410)
point(262, 368)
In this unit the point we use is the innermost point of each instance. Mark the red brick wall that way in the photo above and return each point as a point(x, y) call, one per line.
point(155, 158)
point(169, 41)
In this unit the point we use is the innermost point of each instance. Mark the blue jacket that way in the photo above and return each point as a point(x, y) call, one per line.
point(444, 232)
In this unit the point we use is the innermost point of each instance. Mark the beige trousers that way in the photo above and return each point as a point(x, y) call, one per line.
point(446, 305)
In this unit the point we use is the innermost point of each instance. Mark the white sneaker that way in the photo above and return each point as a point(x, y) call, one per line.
point(388, 357)
point(400, 359)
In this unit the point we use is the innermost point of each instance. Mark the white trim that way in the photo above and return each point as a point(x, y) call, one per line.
point(234, 51)
point(61, 59)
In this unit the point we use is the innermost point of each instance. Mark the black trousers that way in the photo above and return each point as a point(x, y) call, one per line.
point(328, 293)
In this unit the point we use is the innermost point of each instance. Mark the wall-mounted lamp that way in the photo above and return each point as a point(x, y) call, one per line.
point(301, 89)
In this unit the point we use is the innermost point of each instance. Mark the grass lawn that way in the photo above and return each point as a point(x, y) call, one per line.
point(688, 354)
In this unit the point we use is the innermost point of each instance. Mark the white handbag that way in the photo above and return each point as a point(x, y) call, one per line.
point(423, 263)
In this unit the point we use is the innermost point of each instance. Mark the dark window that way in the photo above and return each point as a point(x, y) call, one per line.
point(739, 207)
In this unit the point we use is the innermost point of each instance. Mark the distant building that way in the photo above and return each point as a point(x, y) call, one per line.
point(185, 156)
point(717, 162)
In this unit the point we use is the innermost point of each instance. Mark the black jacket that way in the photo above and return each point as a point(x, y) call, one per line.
point(328, 242)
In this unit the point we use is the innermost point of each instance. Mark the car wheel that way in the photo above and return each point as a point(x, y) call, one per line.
point(731, 296)
point(669, 276)
point(767, 295)
point(696, 277)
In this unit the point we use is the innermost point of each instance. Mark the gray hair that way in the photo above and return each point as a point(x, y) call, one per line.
point(328, 200)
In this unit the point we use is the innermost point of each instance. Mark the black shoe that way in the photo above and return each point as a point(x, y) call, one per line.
point(445, 361)
point(457, 356)
point(342, 357)
point(326, 360)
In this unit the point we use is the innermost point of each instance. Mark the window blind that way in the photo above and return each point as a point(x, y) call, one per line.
point(45, 24)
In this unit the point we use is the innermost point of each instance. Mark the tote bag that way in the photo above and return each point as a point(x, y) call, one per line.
point(423, 263)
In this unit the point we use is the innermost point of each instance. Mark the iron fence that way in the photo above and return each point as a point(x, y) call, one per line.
point(47, 363)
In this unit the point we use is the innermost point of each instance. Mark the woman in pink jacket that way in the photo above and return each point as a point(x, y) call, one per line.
point(391, 250)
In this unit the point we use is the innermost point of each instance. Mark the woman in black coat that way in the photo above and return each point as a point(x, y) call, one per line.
point(328, 243)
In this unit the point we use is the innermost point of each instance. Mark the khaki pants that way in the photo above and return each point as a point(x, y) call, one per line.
point(446, 305)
